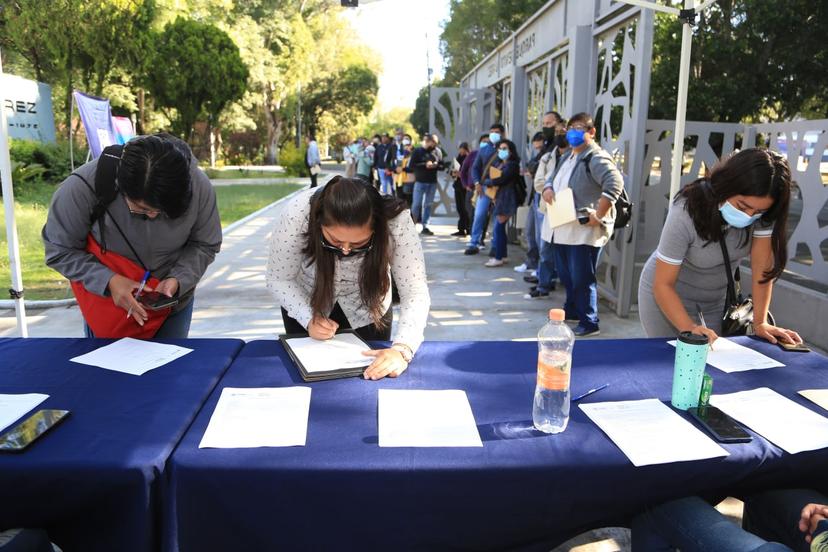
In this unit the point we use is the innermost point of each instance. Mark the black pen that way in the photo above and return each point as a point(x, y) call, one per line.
point(590, 392)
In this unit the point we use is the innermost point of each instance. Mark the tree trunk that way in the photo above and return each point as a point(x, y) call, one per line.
point(139, 130)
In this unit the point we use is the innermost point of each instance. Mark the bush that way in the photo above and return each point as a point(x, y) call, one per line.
point(293, 160)
point(53, 158)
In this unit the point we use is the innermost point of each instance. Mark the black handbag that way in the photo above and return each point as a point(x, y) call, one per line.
point(737, 318)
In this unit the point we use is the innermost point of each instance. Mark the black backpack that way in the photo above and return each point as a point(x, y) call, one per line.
point(623, 205)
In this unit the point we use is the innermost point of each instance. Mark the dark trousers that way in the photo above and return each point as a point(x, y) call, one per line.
point(368, 333)
point(313, 180)
point(576, 265)
point(463, 220)
point(774, 515)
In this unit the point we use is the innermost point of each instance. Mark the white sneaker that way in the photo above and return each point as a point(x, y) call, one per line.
point(521, 268)
point(534, 273)
point(494, 262)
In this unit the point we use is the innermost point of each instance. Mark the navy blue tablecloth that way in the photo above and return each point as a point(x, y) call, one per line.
point(94, 482)
point(522, 490)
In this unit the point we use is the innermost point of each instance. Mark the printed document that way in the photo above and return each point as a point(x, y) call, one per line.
point(649, 432)
point(13, 407)
point(729, 356)
point(562, 210)
point(341, 351)
point(259, 417)
point(818, 396)
point(790, 426)
point(132, 356)
point(420, 418)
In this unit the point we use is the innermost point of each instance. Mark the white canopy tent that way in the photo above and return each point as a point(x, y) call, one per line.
point(16, 291)
point(688, 18)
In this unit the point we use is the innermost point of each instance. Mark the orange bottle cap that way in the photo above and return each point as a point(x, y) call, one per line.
point(557, 315)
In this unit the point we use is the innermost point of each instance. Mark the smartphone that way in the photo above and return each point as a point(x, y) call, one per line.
point(26, 432)
point(794, 347)
point(154, 300)
point(722, 427)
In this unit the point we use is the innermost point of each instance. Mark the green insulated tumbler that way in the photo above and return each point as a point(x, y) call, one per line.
point(691, 357)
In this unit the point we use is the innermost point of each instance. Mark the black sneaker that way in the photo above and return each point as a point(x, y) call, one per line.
point(459, 234)
point(581, 331)
point(530, 279)
point(471, 251)
point(426, 232)
point(536, 294)
point(533, 288)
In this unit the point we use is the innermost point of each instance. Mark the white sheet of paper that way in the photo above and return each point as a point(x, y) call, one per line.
point(789, 425)
point(14, 407)
point(341, 352)
point(649, 432)
point(259, 417)
point(562, 210)
point(421, 418)
point(817, 396)
point(132, 356)
point(729, 356)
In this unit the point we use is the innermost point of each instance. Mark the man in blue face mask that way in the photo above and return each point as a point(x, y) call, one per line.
point(485, 157)
point(596, 184)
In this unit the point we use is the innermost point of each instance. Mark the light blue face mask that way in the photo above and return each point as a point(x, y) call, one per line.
point(503, 154)
point(736, 217)
point(483, 144)
point(494, 137)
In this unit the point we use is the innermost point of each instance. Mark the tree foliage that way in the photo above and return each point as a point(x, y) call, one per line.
point(197, 70)
point(345, 96)
point(475, 28)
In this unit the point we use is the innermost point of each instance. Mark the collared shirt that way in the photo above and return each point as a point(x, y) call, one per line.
point(561, 181)
point(291, 279)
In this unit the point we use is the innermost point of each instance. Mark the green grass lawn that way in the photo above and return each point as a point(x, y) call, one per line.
point(218, 174)
point(41, 282)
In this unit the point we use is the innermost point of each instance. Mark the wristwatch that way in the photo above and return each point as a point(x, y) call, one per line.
point(404, 350)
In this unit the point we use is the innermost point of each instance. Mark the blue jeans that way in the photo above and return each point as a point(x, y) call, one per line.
point(692, 524)
point(546, 267)
point(386, 182)
point(176, 326)
point(423, 200)
point(576, 265)
point(481, 211)
point(499, 239)
point(532, 232)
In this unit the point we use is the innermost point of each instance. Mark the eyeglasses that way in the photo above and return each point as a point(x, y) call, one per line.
point(152, 213)
point(352, 252)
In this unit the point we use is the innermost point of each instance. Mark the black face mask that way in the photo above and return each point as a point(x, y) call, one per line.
point(548, 133)
point(560, 141)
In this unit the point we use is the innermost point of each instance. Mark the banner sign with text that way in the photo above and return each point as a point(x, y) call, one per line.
point(28, 106)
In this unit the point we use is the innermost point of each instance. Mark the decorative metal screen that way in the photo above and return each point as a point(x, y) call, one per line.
point(538, 91)
point(507, 108)
point(560, 86)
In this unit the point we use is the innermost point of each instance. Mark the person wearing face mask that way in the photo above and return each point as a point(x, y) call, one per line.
point(743, 202)
point(333, 255)
point(508, 196)
point(596, 184)
point(554, 131)
point(466, 177)
point(530, 263)
point(142, 213)
point(424, 164)
point(403, 180)
point(479, 171)
point(463, 222)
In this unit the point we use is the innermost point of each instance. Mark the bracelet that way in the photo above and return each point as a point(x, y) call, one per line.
point(404, 350)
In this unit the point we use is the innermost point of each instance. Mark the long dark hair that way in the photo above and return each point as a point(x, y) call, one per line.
point(752, 172)
point(351, 202)
point(513, 153)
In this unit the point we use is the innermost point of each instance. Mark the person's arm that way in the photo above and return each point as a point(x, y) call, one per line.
point(285, 259)
point(676, 237)
point(409, 272)
point(607, 175)
point(761, 260)
point(465, 170)
point(66, 230)
point(204, 241)
point(539, 179)
point(479, 163)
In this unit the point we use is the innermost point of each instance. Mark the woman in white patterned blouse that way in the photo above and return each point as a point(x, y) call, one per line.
point(332, 256)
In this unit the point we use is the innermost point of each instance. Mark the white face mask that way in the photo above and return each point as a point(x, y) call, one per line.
point(406, 142)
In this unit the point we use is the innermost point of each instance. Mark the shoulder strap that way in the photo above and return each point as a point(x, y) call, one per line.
point(106, 176)
point(731, 282)
point(491, 160)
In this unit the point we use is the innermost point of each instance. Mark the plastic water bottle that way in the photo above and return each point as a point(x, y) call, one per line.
point(550, 411)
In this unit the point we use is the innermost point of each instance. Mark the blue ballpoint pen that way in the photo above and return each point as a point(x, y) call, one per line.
point(590, 392)
point(140, 289)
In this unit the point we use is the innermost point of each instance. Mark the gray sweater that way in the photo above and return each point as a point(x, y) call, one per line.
point(181, 248)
